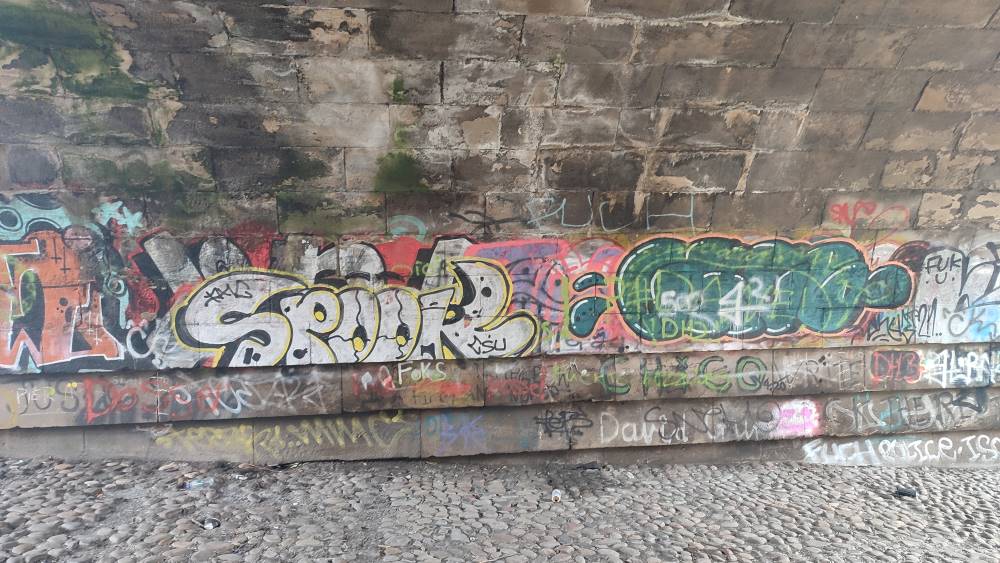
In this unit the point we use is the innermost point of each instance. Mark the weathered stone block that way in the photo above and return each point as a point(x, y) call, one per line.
point(501, 83)
point(315, 212)
point(25, 442)
point(162, 26)
point(610, 85)
point(488, 170)
point(939, 210)
point(553, 7)
point(909, 131)
point(702, 171)
point(860, 12)
point(793, 171)
point(451, 127)
point(812, 45)
point(442, 37)
point(364, 81)
point(834, 130)
point(549, 128)
point(952, 49)
point(103, 123)
point(561, 40)
point(35, 120)
point(409, 5)
point(974, 13)
point(860, 89)
point(988, 174)
point(221, 77)
point(961, 91)
point(655, 8)
point(24, 72)
point(254, 28)
point(345, 437)
point(324, 125)
point(986, 210)
point(206, 212)
point(941, 171)
point(752, 44)
point(983, 133)
point(767, 212)
point(785, 130)
point(693, 128)
point(779, 129)
point(686, 85)
point(582, 169)
point(227, 125)
point(818, 11)
point(29, 167)
point(268, 170)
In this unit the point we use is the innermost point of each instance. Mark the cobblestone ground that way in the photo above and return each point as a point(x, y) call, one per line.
point(132, 511)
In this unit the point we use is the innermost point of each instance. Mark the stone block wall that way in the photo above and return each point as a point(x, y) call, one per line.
point(360, 229)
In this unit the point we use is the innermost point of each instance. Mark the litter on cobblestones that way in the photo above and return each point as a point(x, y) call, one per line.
point(208, 523)
point(556, 495)
point(901, 492)
point(197, 484)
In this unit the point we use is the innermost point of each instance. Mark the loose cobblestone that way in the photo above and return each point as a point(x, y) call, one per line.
point(396, 511)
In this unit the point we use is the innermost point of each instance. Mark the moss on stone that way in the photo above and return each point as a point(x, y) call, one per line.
point(399, 172)
point(176, 196)
point(82, 53)
point(398, 93)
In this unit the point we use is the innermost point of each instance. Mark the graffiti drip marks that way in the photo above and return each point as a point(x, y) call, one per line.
point(716, 287)
point(263, 318)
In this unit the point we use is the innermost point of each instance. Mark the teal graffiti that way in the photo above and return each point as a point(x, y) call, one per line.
point(401, 225)
point(714, 287)
point(584, 314)
point(589, 280)
point(108, 211)
point(25, 213)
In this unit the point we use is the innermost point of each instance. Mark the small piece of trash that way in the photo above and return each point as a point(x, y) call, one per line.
point(208, 523)
point(169, 467)
point(588, 466)
point(901, 492)
point(196, 484)
point(241, 477)
point(556, 495)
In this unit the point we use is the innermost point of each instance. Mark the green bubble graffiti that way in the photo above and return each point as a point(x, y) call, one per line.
point(714, 287)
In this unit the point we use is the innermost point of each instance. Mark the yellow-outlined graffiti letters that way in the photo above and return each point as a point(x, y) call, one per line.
point(256, 317)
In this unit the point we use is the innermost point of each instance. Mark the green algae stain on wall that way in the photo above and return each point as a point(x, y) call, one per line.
point(399, 172)
point(82, 53)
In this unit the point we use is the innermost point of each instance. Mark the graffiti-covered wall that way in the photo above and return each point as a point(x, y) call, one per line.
point(271, 231)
